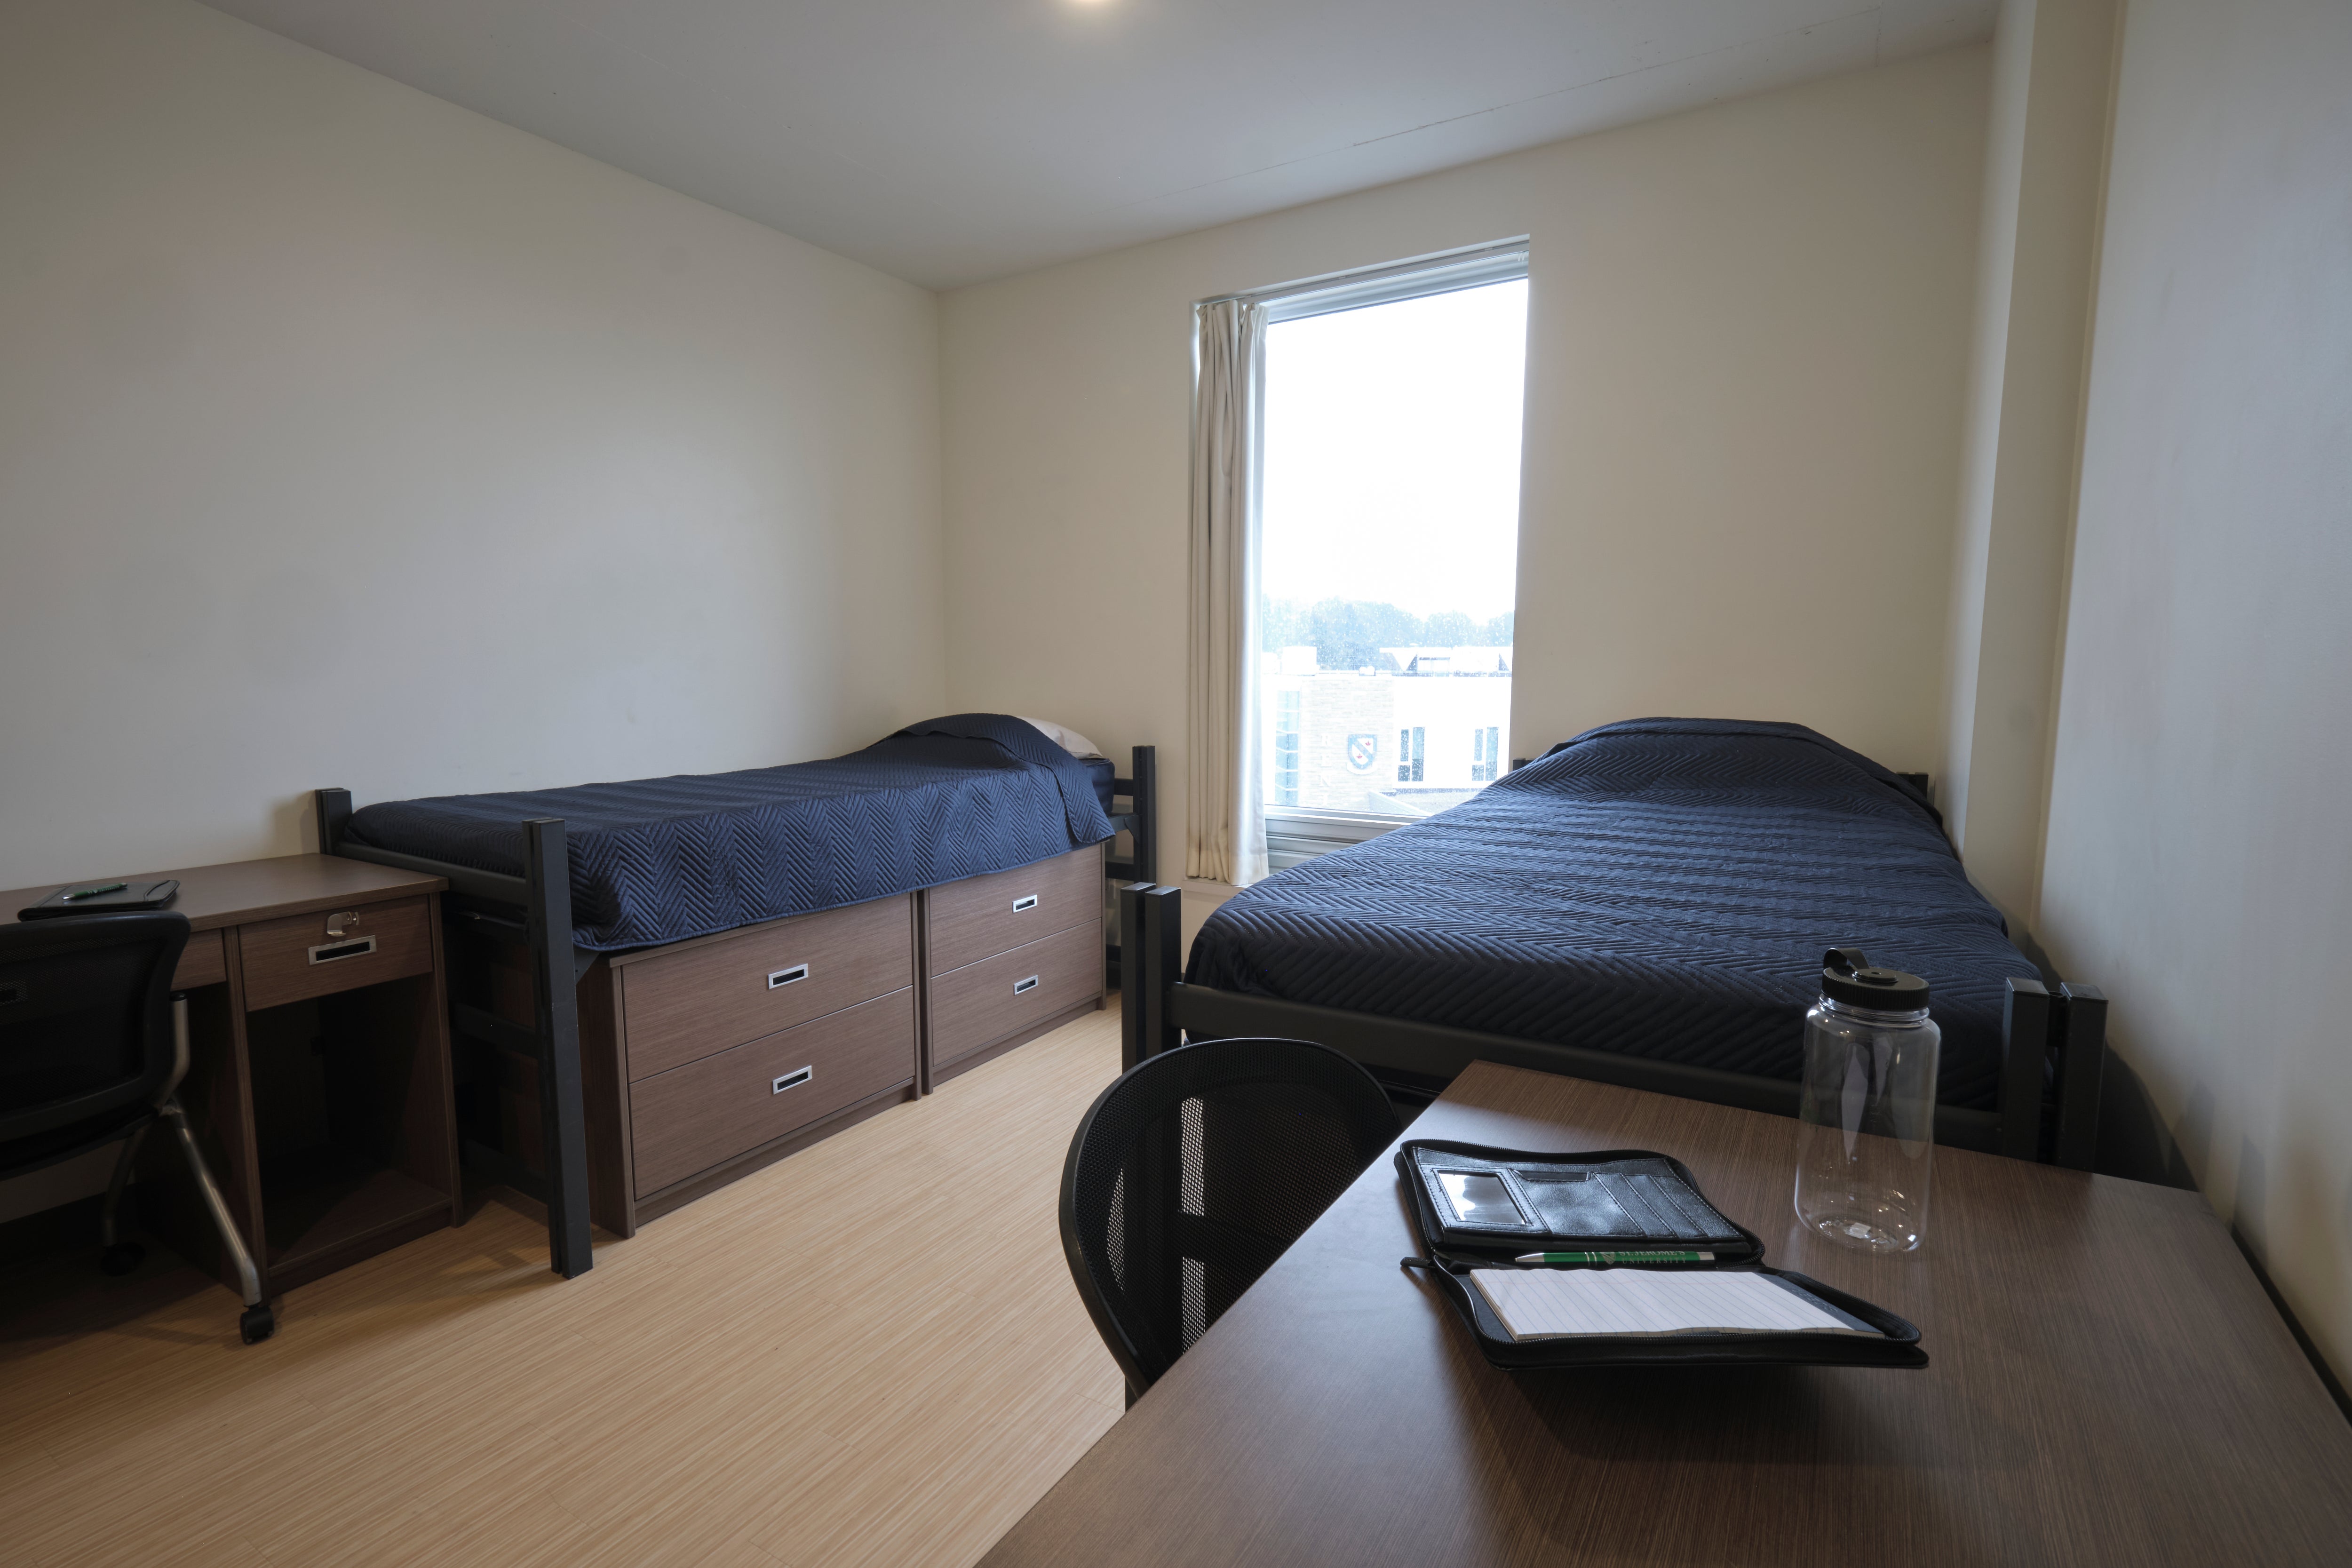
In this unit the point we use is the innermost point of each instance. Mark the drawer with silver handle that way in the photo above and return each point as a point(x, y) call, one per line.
point(685, 1121)
point(982, 1004)
point(982, 916)
point(298, 956)
point(688, 1002)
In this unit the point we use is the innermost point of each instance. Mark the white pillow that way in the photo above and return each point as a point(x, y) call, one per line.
point(1062, 735)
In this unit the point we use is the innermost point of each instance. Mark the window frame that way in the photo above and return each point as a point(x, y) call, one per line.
point(1296, 833)
point(1442, 272)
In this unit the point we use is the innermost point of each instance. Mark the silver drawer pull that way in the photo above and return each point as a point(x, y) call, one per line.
point(1020, 985)
point(791, 1079)
point(1025, 901)
point(786, 976)
point(328, 951)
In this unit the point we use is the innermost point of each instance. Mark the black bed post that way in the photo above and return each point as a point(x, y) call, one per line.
point(1150, 945)
point(2025, 1020)
point(1146, 779)
point(333, 807)
point(1132, 1006)
point(563, 1133)
point(2082, 1061)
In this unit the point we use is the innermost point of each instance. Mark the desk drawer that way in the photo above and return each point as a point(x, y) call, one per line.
point(201, 963)
point(981, 917)
point(691, 1117)
point(684, 1005)
point(289, 959)
point(983, 1003)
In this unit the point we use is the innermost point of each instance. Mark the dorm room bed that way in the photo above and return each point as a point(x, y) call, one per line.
point(1648, 904)
point(660, 985)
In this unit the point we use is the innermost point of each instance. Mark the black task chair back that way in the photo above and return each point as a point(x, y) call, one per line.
point(84, 1016)
point(1194, 1171)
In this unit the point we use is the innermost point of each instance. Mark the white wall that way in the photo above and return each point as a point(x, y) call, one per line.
point(1748, 340)
point(2052, 62)
point(2199, 866)
point(2012, 70)
point(347, 437)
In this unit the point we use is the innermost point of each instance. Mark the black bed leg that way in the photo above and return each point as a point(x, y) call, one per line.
point(2026, 1018)
point(1146, 779)
point(2082, 1061)
point(554, 979)
point(1150, 926)
point(332, 808)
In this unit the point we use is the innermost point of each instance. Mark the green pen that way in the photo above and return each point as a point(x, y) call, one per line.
point(93, 892)
point(1615, 1257)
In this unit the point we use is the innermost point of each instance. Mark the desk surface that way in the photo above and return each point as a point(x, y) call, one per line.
point(246, 890)
point(2109, 1386)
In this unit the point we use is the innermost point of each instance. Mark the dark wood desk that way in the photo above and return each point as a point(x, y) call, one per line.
point(318, 1083)
point(2109, 1386)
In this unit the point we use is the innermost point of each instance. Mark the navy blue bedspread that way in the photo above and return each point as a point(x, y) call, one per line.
point(1663, 887)
point(657, 860)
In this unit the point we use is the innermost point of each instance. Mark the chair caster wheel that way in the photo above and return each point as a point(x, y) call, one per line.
point(122, 1257)
point(256, 1324)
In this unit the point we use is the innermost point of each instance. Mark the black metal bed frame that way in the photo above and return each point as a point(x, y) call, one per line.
point(1140, 823)
point(2054, 1046)
point(531, 915)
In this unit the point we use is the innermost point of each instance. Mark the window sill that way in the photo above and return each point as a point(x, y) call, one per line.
point(1295, 834)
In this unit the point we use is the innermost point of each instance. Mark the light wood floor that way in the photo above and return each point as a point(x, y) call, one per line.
point(770, 1375)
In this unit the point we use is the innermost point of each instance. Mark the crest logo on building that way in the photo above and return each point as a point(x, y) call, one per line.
point(1362, 751)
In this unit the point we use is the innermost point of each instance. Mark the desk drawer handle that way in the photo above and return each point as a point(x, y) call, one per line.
point(1020, 985)
point(791, 1079)
point(1025, 901)
point(351, 947)
point(786, 976)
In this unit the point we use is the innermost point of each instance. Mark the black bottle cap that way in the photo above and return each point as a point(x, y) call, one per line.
point(1848, 976)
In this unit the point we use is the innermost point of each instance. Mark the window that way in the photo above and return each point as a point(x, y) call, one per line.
point(1388, 537)
point(1285, 749)
point(1412, 748)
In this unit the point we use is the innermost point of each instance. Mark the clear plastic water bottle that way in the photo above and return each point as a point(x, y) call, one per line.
point(1866, 1125)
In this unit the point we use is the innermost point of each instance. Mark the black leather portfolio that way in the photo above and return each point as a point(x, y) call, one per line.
point(1618, 1259)
point(103, 899)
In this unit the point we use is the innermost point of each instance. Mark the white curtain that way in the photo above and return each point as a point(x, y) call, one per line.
point(1224, 838)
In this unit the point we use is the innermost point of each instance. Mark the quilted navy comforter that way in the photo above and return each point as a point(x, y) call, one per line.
point(657, 860)
point(1663, 888)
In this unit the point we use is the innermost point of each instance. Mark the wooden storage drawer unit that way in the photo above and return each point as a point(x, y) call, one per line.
point(298, 956)
point(201, 963)
point(983, 1003)
point(981, 917)
point(715, 994)
point(691, 1117)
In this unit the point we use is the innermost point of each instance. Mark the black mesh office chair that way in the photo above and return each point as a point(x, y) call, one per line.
point(1191, 1174)
point(92, 1046)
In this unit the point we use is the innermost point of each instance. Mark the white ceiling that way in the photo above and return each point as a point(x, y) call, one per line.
point(952, 141)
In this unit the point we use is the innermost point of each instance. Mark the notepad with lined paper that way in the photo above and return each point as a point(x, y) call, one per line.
point(1570, 1303)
